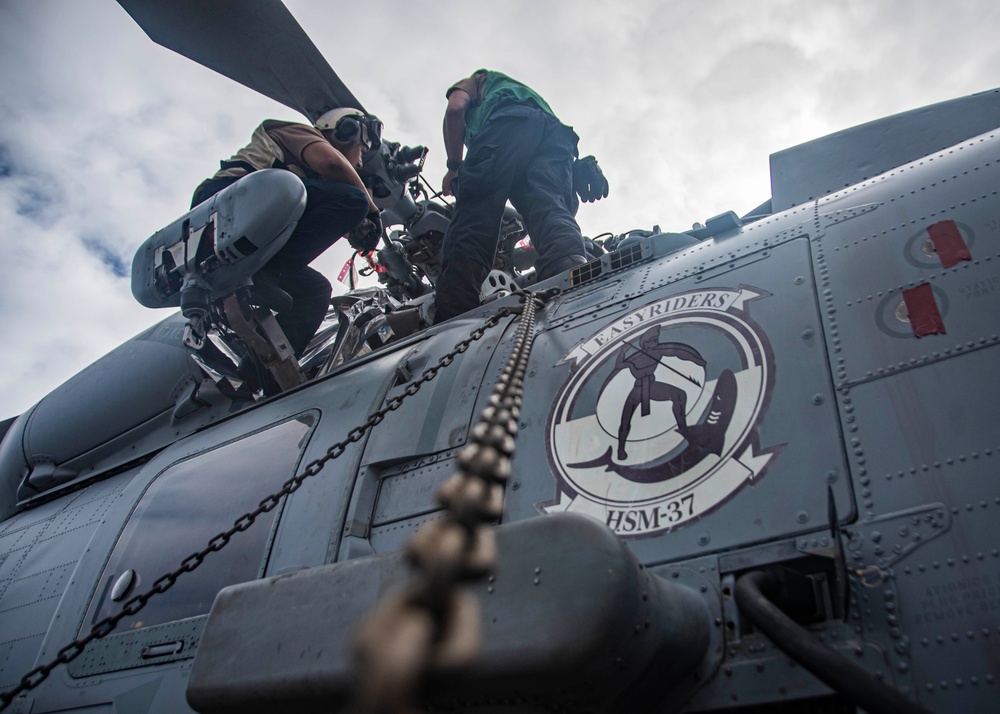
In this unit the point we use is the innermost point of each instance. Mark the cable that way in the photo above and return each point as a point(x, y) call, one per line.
point(855, 683)
point(435, 194)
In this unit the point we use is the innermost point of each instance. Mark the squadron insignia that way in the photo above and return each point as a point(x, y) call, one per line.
point(657, 424)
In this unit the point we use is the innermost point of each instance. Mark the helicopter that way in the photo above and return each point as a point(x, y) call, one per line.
point(770, 408)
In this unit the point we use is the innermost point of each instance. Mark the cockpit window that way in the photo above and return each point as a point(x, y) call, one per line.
point(182, 509)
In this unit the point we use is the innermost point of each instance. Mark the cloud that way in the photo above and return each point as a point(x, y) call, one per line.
point(6, 163)
point(108, 257)
point(104, 135)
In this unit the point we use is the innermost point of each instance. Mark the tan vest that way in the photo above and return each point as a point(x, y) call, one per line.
point(262, 152)
point(274, 145)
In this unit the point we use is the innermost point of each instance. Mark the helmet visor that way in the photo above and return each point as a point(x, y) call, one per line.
point(371, 132)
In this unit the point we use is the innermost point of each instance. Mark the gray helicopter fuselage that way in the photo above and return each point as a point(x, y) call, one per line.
point(811, 381)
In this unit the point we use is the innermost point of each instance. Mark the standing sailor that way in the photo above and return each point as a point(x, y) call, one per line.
point(518, 150)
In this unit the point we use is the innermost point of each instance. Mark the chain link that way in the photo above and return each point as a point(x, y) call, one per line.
point(132, 606)
point(430, 622)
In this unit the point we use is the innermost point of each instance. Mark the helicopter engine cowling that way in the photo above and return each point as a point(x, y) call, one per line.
point(220, 243)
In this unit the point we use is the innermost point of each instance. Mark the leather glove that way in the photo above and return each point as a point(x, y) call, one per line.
point(366, 235)
point(588, 180)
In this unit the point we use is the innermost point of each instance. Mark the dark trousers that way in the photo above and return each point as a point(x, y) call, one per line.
point(521, 154)
point(332, 209)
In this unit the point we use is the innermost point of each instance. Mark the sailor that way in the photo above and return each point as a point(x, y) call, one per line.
point(517, 150)
point(327, 157)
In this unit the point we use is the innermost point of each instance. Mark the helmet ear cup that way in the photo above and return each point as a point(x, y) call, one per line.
point(347, 130)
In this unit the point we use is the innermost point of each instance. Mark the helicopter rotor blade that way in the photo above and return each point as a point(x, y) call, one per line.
point(255, 42)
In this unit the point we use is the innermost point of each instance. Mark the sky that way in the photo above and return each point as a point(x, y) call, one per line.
point(104, 134)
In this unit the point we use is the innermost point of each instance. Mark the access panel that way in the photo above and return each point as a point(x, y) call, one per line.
point(697, 417)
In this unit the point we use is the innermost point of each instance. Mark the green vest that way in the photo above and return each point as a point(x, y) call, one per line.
point(498, 90)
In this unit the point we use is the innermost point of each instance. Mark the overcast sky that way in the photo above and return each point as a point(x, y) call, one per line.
point(104, 135)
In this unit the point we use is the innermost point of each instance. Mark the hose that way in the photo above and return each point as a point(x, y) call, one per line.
point(853, 682)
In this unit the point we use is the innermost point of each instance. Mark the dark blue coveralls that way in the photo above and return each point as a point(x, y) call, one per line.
point(524, 154)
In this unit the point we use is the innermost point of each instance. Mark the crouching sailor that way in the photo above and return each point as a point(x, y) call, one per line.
point(327, 157)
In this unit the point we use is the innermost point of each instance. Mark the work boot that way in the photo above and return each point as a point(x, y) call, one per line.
point(567, 262)
point(270, 295)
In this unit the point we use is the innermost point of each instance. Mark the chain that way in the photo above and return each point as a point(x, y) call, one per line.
point(132, 606)
point(429, 622)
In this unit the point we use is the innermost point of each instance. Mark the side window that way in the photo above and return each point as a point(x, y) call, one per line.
point(182, 509)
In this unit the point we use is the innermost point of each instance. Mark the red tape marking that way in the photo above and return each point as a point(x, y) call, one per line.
point(343, 271)
point(925, 319)
point(948, 243)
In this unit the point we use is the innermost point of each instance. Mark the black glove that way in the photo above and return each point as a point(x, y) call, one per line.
point(375, 218)
point(588, 180)
point(366, 235)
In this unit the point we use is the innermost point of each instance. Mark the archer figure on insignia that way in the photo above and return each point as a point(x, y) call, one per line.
point(642, 364)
